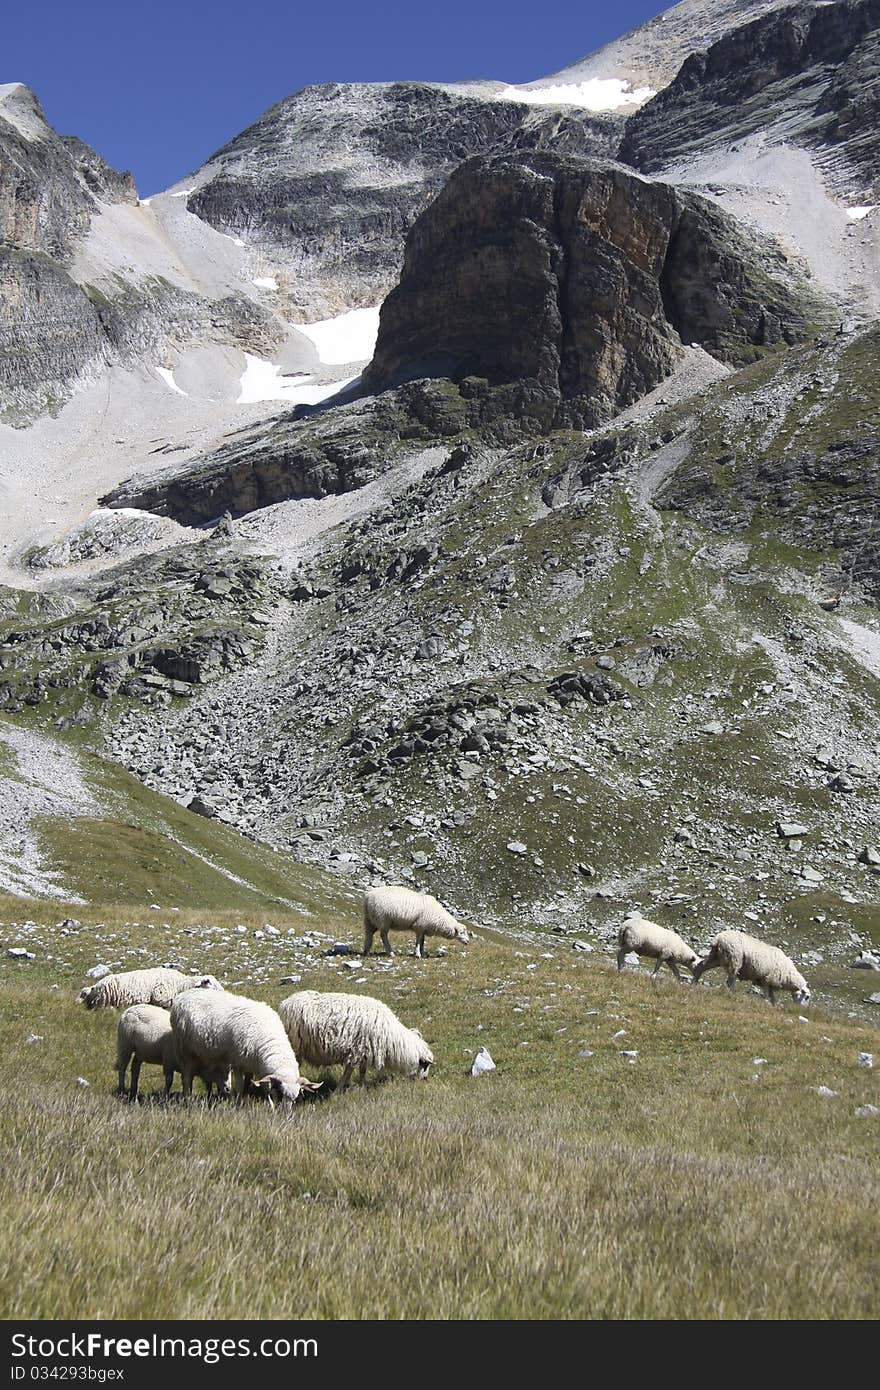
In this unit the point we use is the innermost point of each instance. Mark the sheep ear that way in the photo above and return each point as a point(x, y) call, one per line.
point(310, 1086)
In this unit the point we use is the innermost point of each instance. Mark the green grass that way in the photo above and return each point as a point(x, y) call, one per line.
point(693, 1184)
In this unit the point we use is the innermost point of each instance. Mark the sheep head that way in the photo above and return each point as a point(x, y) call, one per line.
point(803, 996)
point(87, 996)
point(461, 933)
point(278, 1089)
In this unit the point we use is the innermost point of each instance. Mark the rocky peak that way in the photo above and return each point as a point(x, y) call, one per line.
point(806, 73)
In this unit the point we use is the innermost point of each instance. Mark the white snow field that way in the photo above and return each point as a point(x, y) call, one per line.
point(596, 94)
point(349, 337)
point(168, 377)
point(262, 381)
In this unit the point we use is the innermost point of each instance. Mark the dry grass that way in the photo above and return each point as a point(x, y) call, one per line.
point(561, 1186)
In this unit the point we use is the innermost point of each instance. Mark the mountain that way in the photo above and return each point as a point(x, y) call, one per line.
point(550, 585)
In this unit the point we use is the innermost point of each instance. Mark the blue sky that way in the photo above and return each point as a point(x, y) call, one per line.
point(157, 86)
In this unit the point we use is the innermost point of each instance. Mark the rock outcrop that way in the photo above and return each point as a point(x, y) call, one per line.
point(808, 73)
point(581, 277)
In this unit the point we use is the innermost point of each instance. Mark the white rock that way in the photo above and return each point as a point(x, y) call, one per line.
point(34, 1037)
point(81, 1081)
point(864, 1111)
point(19, 953)
point(98, 972)
point(517, 847)
point(827, 1092)
point(482, 1063)
point(866, 1060)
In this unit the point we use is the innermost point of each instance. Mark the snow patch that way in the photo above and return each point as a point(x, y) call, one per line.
point(265, 282)
point(856, 214)
point(262, 381)
point(596, 94)
point(168, 377)
point(349, 337)
point(184, 192)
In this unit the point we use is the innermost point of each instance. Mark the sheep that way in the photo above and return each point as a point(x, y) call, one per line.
point(352, 1030)
point(227, 1030)
point(159, 985)
point(744, 957)
point(143, 1034)
point(648, 939)
point(401, 909)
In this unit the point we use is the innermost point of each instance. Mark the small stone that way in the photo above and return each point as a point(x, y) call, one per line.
point(482, 1063)
point(869, 855)
point(34, 1038)
point(868, 960)
point(826, 1092)
point(713, 727)
point(606, 663)
point(98, 972)
point(81, 1081)
point(791, 830)
point(20, 953)
point(290, 979)
point(517, 847)
point(581, 946)
point(866, 1060)
point(865, 1111)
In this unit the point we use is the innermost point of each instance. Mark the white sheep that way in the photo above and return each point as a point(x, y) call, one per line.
point(159, 985)
point(144, 1034)
point(352, 1030)
point(214, 1029)
point(744, 957)
point(401, 909)
point(648, 939)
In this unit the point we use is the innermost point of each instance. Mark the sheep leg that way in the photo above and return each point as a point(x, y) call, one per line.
point(383, 932)
point(169, 1079)
point(621, 957)
point(135, 1075)
point(771, 994)
point(656, 970)
point(369, 933)
point(122, 1066)
point(731, 980)
point(676, 972)
point(420, 945)
point(362, 1074)
point(346, 1075)
point(187, 1071)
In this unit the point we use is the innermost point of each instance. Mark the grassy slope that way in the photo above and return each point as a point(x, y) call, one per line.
point(691, 1184)
point(147, 847)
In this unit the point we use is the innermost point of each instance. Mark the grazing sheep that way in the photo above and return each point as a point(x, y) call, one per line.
point(744, 957)
point(214, 1029)
point(144, 1034)
point(401, 909)
point(352, 1030)
point(648, 939)
point(158, 986)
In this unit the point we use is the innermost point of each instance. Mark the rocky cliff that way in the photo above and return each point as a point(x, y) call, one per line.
point(330, 179)
point(807, 73)
point(580, 277)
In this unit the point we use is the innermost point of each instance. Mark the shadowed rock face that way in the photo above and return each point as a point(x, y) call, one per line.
point(806, 73)
point(50, 332)
point(578, 275)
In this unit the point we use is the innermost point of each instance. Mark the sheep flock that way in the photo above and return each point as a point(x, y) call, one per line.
point(188, 1023)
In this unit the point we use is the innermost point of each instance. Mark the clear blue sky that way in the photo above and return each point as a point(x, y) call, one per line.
point(158, 85)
